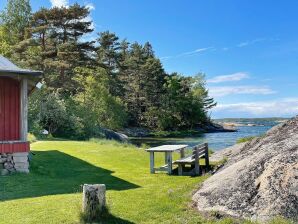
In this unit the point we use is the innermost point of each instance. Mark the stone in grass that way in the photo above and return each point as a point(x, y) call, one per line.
point(94, 201)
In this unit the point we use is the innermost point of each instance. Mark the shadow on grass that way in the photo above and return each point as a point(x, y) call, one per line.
point(105, 217)
point(110, 219)
point(54, 172)
point(115, 220)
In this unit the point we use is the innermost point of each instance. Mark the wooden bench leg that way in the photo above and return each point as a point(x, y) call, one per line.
point(197, 169)
point(207, 157)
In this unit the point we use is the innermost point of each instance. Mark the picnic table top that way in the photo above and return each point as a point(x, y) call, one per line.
point(167, 148)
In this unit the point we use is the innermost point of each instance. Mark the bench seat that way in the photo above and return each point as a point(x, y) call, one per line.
point(199, 151)
point(187, 160)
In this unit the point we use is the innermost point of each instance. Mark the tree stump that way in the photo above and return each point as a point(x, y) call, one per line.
point(94, 200)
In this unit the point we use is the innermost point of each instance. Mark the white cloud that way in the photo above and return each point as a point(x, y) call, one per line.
point(59, 3)
point(195, 51)
point(165, 58)
point(220, 91)
point(188, 53)
point(265, 108)
point(90, 6)
point(250, 42)
point(228, 78)
point(89, 19)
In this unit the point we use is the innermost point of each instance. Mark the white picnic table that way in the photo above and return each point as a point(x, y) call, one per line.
point(168, 150)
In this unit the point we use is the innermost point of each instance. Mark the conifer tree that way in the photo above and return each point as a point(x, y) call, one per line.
point(56, 37)
point(108, 57)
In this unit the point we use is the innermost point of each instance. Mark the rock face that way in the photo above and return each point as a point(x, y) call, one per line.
point(259, 180)
point(113, 135)
point(137, 132)
point(214, 127)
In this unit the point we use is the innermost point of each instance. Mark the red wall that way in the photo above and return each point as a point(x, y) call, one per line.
point(9, 109)
point(14, 147)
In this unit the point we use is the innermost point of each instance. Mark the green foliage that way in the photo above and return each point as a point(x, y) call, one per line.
point(15, 18)
point(13, 21)
point(105, 83)
point(186, 103)
point(31, 138)
point(49, 110)
point(280, 220)
point(5, 46)
point(54, 44)
point(104, 109)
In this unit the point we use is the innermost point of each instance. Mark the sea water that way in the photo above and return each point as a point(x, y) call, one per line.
point(216, 141)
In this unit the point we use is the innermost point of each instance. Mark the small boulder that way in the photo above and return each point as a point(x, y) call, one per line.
point(113, 135)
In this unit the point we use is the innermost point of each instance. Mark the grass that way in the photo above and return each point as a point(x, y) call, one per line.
point(51, 193)
point(249, 138)
point(245, 139)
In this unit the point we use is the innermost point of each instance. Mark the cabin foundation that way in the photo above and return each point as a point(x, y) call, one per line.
point(14, 162)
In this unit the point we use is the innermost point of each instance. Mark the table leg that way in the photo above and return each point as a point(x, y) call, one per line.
point(182, 153)
point(152, 170)
point(169, 162)
point(180, 169)
point(166, 158)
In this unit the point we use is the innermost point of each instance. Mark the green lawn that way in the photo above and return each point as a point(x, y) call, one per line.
point(51, 192)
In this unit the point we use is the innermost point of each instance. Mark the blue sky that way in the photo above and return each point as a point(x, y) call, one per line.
point(247, 49)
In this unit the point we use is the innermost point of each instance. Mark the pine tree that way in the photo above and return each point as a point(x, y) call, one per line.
point(108, 57)
point(55, 45)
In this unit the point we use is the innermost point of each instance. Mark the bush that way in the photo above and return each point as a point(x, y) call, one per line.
point(31, 138)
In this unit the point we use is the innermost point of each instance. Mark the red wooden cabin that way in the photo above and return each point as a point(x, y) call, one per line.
point(15, 86)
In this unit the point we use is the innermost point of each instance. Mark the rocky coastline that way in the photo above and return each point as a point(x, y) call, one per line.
point(124, 134)
point(259, 179)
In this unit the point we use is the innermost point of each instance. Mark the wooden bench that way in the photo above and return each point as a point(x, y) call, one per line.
point(199, 151)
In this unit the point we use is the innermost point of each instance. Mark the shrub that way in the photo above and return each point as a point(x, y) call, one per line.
point(31, 138)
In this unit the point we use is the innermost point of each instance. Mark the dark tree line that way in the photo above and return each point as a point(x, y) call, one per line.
point(106, 82)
